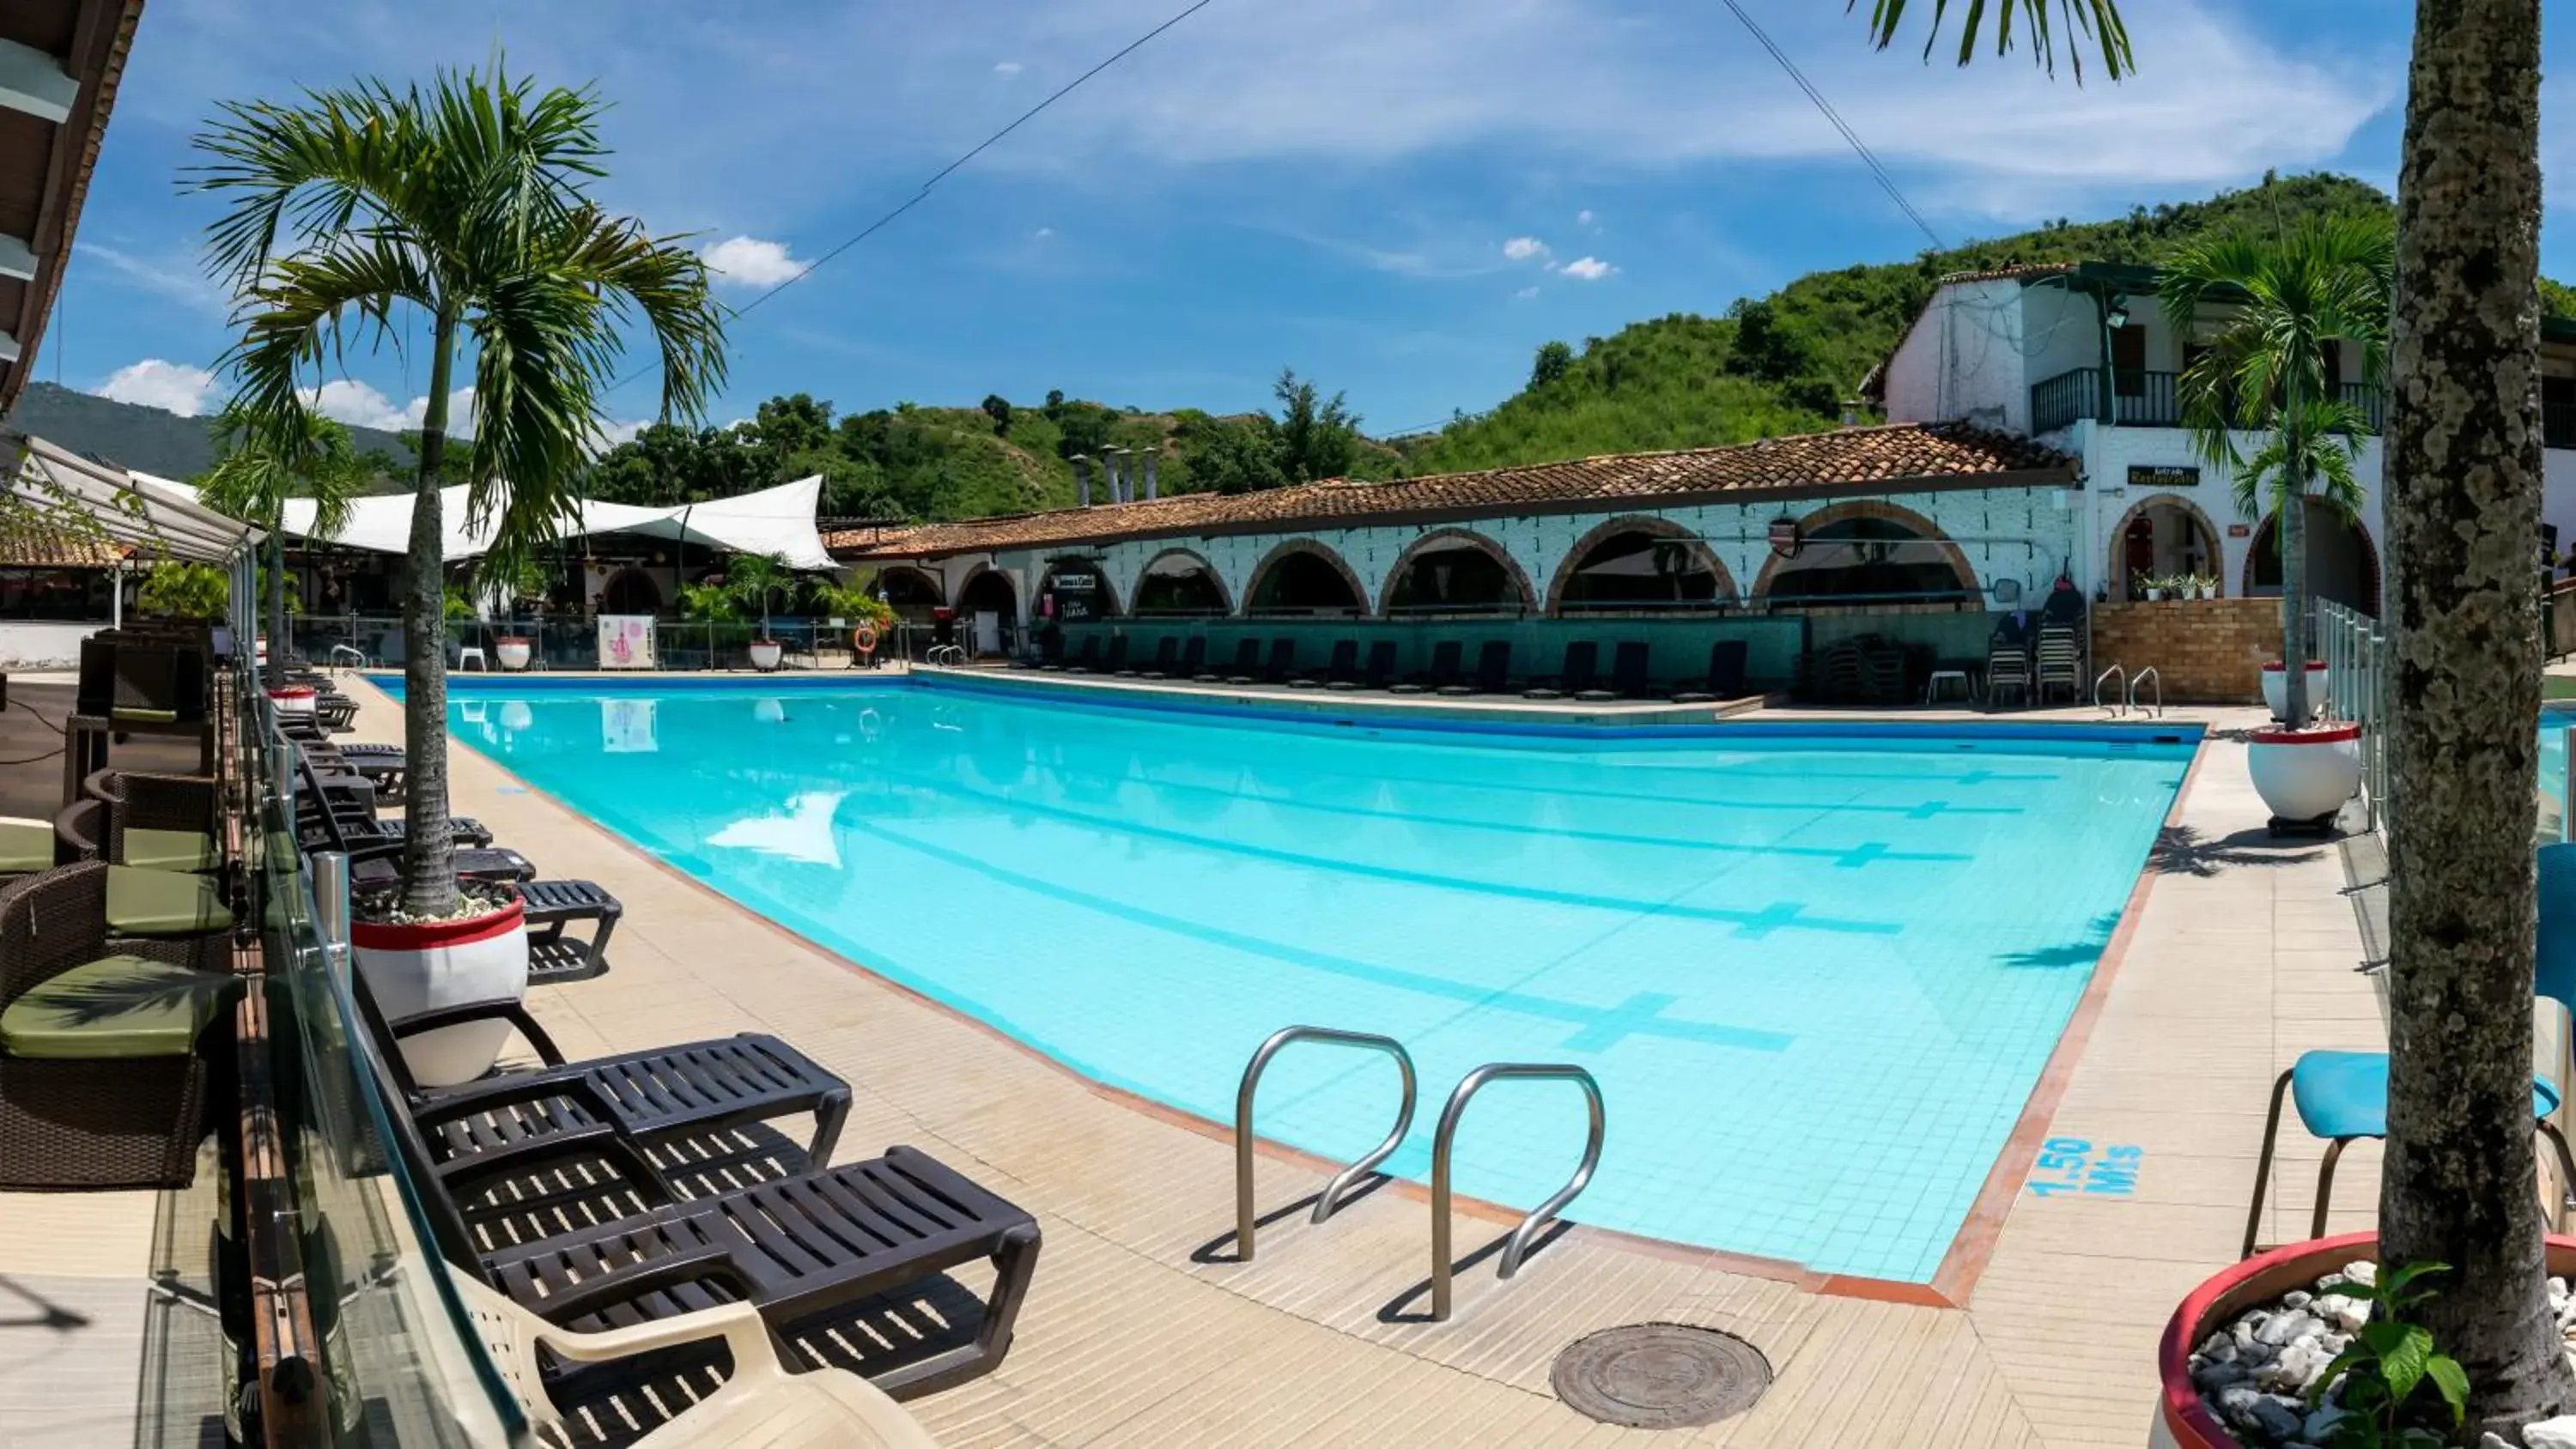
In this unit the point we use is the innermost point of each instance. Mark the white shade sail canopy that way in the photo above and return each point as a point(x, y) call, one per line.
point(80, 495)
point(776, 520)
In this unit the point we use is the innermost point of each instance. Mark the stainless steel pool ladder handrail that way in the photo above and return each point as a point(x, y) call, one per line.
point(2143, 676)
point(2124, 683)
point(1333, 1190)
point(1539, 1216)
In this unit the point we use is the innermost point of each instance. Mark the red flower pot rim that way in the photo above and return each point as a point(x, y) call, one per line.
point(439, 935)
point(2313, 735)
point(2292, 1265)
point(2276, 664)
point(509, 639)
point(293, 691)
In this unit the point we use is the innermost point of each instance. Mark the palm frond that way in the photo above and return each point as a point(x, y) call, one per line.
point(2087, 22)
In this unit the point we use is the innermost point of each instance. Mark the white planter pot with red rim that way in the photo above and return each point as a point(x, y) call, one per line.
point(513, 653)
point(294, 699)
point(2276, 688)
point(2305, 774)
point(765, 652)
point(416, 968)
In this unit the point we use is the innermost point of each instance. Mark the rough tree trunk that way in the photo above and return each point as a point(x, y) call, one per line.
point(429, 852)
point(2464, 484)
point(2292, 537)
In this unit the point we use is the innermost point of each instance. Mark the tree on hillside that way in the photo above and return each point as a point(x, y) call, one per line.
point(1318, 437)
point(1230, 455)
point(1554, 361)
point(253, 481)
point(2462, 474)
point(464, 203)
point(2323, 285)
point(998, 408)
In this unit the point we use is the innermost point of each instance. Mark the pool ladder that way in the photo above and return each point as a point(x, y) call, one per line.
point(1443, 1140)
point(2125, 699)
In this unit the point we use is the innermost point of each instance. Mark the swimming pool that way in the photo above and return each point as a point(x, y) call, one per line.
point(1817, 974)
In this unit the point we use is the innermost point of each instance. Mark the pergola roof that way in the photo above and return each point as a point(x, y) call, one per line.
point(64, 491)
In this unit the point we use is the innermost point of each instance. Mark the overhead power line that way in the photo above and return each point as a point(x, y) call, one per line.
point(943, 173)
point(1859, 147)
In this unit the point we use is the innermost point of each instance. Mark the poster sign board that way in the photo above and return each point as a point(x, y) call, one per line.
point(626, 727)
point(625, 641)
point(2163, 475)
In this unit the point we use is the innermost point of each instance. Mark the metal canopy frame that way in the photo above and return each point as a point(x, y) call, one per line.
point(85, 498)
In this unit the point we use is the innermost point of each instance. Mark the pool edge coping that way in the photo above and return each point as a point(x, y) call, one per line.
point(1953, 1279)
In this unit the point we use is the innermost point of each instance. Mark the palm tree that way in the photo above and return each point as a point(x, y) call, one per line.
point(2462, 476)
point(252, 481)
point(359, 209)
point(752, 579)
point(2095, 20)
point(2287, 301)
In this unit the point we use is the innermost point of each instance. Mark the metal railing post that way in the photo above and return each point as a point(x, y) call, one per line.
point(1445, 1138)
point(1244, 1224)
point(331, 908)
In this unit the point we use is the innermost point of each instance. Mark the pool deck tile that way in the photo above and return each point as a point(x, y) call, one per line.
point(1127, 1340)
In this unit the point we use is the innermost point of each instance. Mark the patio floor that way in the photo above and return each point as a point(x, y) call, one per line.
point(2238, 954)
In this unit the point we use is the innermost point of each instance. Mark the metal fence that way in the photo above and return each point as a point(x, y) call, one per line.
point(573, 643)
point(2359, 667)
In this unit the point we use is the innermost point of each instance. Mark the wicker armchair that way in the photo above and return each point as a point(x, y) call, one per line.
point(128, 1118)
point(169, 804)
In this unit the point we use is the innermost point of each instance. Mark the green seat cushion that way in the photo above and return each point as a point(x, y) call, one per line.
point(120, 1007)
point(148, 849)
point(137, 714)
point(163, 903)
point(25, 845)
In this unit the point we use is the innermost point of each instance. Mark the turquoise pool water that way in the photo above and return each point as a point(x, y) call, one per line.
point(1817, 976)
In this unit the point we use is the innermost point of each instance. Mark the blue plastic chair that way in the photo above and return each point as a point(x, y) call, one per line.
point(2343, 1096)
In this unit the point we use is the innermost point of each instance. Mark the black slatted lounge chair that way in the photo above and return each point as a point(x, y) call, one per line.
point(1381, 668)
point(374, 862)
point(1442, 673)
point(1283, 661)
point(1627, 674)
point(1493, 671)
point(1725, 674)
point(551, 906)
point(794, 1248)
point(1088, 658)
point(1582, 662)
point(1247, 662)
point(1342, 670)
point(1167, 653)
point(1192, 663)
point(1115, 661)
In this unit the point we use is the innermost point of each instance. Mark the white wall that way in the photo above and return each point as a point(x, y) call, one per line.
point(33, 644)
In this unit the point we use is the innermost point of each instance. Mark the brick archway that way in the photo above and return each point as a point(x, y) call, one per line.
point(1440, 538)
point(1321, 550)
point(1108, 590)
point(1660, 528)
point(2116, 564)
point(967, 584)
point(1225, 602)
point(928, 580)
point(1923, 528)
point(2372, 579)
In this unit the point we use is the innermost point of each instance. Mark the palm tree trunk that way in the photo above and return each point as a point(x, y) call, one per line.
point(2292, 536)
point(429, 856)
point(2464, 485)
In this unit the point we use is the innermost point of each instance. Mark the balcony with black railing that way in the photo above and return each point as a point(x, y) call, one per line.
point(2142, 399)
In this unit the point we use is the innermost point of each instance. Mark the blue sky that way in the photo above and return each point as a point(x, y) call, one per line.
point(1400, 198)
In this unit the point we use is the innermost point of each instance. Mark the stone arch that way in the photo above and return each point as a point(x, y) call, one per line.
point(630, 590)
point(1608, 529)
point(1925, 528)
point(1225, 600)
point(1111, 608)
point(976, 575)
point(2115, 568)
point(927, 581)
point(2373, 580)
point(1320, 550)
point(1440, 538)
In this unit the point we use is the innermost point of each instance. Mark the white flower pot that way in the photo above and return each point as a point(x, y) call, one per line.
point(515, 715)
point(2276, 688)
point(513, 653)
point(415, 968)
point(293, 699)
point(2209, 591)
point(2155, 596)
point(2305, 774)
point(765, 652)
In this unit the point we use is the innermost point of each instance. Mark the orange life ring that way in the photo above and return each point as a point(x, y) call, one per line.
point(864, 638)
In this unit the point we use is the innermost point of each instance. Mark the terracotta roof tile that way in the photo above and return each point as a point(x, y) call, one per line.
point(1850, 459)
point(2019, 269)
point(27, 544)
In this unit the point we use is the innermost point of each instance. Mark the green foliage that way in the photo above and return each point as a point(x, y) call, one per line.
point(998, 408)
point(2388, 1364)
point(455, 605)
point(1318, 437)
point(181, 590)
point(755, 580)
point(853, 603)
point(708, 603)
point(1230, 455)
point(1554, 361)
point(2086, 22)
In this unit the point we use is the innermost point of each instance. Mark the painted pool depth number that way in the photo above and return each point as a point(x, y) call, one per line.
point(2071, 1164)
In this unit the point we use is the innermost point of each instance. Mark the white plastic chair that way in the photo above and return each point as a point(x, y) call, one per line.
point(472, 652)
point(759, 1403)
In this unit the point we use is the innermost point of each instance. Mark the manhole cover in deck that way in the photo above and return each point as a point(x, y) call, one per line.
point(1660, 1375)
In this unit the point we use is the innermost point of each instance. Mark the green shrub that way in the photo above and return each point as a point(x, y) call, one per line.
point(184, 591)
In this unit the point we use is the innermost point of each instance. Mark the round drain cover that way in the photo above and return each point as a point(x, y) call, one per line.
point(1660, 1375)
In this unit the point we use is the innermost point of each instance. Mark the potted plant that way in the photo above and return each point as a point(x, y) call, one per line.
point(752, 579)
point(2208, 585)
point(2304, 774)
point(2276, 688)
point(513, 651)
point(413, 965)
point(2155, 589)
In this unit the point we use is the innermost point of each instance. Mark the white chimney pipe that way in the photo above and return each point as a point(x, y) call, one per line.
point(1082, 480)
point(1152, 491)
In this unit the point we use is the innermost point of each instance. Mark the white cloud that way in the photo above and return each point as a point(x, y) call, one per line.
point(1007, 68)
point(178, 282)
point(1583, 218)
point(612, 433)
point(1587, 269)
point(1525, 293)
point(1522, 248)
point(750, 261)
point(360, 405)
point(1044, 233)
point(170, 386)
